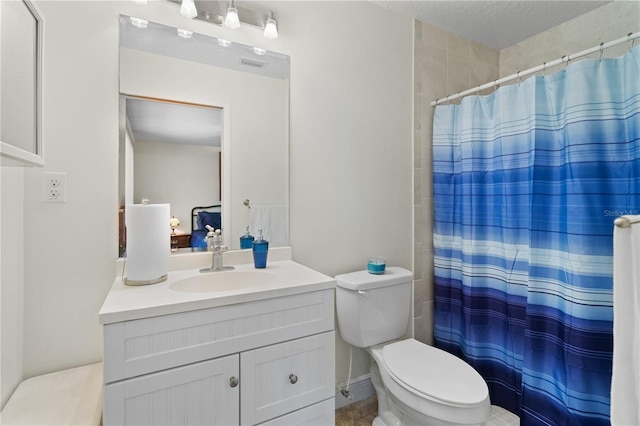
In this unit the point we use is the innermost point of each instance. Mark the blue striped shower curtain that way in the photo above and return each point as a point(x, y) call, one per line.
point(527, 183)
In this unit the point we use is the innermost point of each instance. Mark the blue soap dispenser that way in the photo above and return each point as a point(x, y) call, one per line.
point(246, 241)
point(260, 251)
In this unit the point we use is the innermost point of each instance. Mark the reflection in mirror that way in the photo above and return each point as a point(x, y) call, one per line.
point(20, 92)
point(166, 144)
point(251, 94)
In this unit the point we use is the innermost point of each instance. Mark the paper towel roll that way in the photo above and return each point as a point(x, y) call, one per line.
point(148, 243)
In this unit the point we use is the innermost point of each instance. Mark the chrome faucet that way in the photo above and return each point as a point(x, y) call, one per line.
point(214, 244)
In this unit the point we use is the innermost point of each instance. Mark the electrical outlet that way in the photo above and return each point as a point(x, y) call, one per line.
point(54, 187)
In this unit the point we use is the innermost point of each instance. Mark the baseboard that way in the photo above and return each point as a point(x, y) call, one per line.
point(360, 388)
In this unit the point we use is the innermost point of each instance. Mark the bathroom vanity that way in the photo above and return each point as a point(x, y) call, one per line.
point(235, 347)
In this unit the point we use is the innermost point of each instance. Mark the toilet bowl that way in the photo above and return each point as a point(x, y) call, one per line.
point(416, 384)
point(428, 386)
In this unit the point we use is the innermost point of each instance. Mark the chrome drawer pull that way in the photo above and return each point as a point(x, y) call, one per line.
point(233, 382)
point(293, 379)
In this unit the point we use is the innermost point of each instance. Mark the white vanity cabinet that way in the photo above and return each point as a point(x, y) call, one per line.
point(268, 361)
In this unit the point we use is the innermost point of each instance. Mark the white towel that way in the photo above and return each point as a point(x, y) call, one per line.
point(625, 383)
point(273, 219)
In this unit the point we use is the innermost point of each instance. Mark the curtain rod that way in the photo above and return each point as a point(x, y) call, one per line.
point(625, 222)
point(629, 38)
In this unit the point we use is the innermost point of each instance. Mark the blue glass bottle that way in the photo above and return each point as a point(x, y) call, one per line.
point(260, 251)
point(246, 241)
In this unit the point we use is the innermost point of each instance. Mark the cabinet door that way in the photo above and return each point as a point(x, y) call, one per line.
point(197, 394)
point(282, 378)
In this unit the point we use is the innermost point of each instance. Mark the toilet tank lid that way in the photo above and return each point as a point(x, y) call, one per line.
point(363, 280)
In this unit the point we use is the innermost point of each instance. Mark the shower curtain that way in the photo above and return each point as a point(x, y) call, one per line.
point(527, 183)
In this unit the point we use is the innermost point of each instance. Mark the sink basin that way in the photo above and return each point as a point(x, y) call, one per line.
point(222, 281)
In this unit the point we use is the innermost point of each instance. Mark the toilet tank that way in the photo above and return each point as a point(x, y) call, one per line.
point(373, 309)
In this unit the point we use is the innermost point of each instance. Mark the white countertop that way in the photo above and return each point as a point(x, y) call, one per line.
point(287, 277)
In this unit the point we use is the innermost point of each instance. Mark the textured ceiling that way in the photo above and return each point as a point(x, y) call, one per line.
point(496, 24)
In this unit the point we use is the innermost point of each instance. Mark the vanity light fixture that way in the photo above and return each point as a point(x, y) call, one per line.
point(185, 33)
point(188, 9)
point(271, 28)
point(139, 23)
point(213, 11)
point(232, 20)
point(259, 51)
point(224, 43)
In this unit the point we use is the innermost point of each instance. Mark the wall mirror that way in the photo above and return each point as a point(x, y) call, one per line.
point(21, 30)
point(238, 176)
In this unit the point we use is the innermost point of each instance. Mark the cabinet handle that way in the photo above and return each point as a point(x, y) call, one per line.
point(293, 379)
point(233, 382)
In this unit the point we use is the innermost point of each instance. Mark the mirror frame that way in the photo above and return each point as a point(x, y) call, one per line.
point(12, 155)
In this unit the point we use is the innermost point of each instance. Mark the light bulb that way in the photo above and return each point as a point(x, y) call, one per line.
point(271, 29)
point(139, 23)
point(185, 33)
point(232, 20)
point(188, 9)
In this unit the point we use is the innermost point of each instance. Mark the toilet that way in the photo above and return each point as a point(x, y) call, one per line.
point(416, 384)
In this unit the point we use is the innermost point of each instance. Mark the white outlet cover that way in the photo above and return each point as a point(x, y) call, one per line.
point(54, 187)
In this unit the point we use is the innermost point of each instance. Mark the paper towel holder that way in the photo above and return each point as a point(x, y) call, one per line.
point(127, 281)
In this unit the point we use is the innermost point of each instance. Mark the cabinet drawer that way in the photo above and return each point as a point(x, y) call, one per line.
point(322, 413)
point(137, 347)
point(282, 378)
point(198, 394)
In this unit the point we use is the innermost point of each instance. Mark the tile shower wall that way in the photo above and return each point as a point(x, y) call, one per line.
point(444, 63)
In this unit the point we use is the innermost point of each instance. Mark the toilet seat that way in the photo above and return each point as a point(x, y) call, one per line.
point(434, 374)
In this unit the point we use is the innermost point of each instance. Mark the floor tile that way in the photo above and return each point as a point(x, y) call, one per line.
point(363, 412)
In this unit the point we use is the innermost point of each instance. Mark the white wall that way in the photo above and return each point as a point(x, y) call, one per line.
point(351, 140)
point(350, 156)
point(183, 175)
point(70, 248)
point(11, 281)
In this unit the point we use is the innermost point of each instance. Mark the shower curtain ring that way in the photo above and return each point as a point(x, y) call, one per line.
point(544, 69)
point(518, 77)
point(601, 49)
point(565, 59)
point(630, 41)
